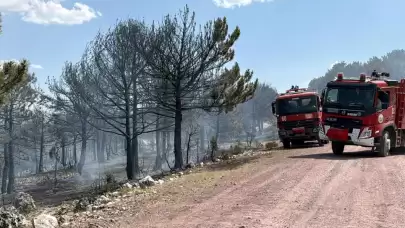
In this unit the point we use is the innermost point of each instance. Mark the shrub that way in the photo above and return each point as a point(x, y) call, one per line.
point(271, 145)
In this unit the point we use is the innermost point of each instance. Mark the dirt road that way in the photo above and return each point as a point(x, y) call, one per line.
point(298, 188)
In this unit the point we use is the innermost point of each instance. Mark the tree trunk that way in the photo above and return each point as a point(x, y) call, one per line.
point(135, 144)
point(178, 155)
point(217, 129)
point(101, 147)
point(130, 169)
point(5, 170)
point(158, 160)
point(75, 149)
point(95, 147)
point(83, 148)
point(64, 157)
point(41, 148)
point(11, 175)
point(202, 139)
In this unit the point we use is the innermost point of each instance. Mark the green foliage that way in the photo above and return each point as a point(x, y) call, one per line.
point(271, 145)
point(12, 75)
point(392, 62)
point(233, 88)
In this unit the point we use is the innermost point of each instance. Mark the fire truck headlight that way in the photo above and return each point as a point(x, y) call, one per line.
point(366, 133)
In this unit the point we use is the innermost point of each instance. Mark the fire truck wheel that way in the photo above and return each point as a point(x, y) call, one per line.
point(338, 148)
point(286, 143)
point(383, 149)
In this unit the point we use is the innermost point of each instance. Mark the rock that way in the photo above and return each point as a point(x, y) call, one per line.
point(24, 202)
point(82, 205)
point(45, 221)
point(147, 182)
point(181, 173)
point(217, 160)
point(160, 181)
point(201, 164)
point(102, 200)
point(10, 217)
point(127, 185)
point(190, 165)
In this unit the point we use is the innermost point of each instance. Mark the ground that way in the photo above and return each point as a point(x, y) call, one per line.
point(305, 187)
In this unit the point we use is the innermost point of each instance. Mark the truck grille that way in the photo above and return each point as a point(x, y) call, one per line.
point(343, 123)
point(289, 125)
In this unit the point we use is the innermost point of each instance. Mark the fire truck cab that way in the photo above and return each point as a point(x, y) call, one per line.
point(298, 116)
point(366, 111)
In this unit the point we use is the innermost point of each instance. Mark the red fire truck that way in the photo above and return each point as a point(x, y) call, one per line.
point(367, 111)
point(298, 116)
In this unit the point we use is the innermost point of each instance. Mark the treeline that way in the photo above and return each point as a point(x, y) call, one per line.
point(393, 62)
point(167, 79)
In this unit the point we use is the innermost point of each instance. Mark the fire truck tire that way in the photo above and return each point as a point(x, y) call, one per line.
point(338, 148)
point(286, 144)
point(383, 149)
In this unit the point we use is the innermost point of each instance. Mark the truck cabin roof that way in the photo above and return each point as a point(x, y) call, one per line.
point(378, 83)
point(366, 81)
point(294, 95)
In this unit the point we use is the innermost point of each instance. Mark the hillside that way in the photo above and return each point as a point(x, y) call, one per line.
point(393, 62)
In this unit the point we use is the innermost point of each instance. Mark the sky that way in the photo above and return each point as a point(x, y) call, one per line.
point(283, 41)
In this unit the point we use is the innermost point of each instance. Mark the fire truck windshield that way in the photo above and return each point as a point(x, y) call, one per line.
point(350, 97)
point(288, 106)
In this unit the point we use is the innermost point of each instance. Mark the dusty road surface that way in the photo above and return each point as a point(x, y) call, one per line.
point(294, 188)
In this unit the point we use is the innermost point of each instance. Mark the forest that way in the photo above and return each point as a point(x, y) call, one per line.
point(143, 98)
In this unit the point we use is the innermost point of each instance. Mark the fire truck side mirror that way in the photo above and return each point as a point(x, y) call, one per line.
point(323, 96)
point(273, 108)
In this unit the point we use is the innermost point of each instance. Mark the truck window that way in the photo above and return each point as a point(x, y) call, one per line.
point(383, 100)
point(350, 96)
point(288, 106)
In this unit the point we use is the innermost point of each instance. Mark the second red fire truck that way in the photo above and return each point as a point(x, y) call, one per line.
point(298, 116)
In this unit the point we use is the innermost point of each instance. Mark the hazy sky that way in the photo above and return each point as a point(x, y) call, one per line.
point(283, 41)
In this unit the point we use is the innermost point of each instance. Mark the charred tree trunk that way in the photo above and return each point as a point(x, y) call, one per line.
point(75, 149)
point(83, 148)
point(158, 160)
point(64, 157)
point(135, 142)
point(41, 148)
point(217, 129)
point(178, 155)
point(5, 170)
point(11, 175)
point(202, 139)
point(101, 147)
point(130, 169)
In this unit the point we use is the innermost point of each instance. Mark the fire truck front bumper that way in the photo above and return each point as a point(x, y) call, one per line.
point(356, 136)
point(299, 134)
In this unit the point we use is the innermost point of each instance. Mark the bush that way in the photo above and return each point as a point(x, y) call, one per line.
point(237, 149)
point(271, 145)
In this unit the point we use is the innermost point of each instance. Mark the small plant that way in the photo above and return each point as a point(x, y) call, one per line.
point(214, 147)
point(237, 149)
point(271, 145)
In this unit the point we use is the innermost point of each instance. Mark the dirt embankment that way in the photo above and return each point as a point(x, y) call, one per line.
point(295, 188)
